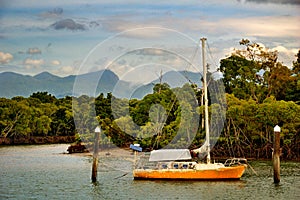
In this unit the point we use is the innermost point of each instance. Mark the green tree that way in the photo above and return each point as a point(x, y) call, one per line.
point(249, 127)
point(239, 76)
point(15, 118)
point(255, 72)
point(63, 122)
point(85, 117)
point(44, 97)
point(293, 89)
point(103, 106)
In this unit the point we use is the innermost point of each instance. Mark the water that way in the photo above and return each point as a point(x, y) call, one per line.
point(43, 172)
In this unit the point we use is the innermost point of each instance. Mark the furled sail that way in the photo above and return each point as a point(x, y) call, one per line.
point(202, 149)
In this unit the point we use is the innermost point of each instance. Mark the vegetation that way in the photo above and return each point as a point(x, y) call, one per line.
point(39, 115)
point(260, 93)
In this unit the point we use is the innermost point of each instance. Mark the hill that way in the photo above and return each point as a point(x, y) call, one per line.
point(14, 84)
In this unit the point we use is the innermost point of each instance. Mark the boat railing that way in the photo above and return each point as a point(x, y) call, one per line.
point(235, 161)
point(143, 162)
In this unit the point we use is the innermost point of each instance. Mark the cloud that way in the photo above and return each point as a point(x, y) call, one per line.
point(294, 2)
point(287, 56)
point(5, 57)
point(263, 26)
point(66, 70)
point(268, 26)
point(68, 24)
point(55, 12)
point(141, 32)
point(55, 62)
point(136, 30)
point(285, 50)
point(34, 50)
point(151, 52)
point(36, 63)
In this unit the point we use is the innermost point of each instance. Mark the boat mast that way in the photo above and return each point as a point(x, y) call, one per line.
point(203, 40)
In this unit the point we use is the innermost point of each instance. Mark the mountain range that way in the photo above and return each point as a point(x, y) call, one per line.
point(14, 84)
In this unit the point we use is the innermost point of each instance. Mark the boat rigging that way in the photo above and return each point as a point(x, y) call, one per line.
point(178, 163)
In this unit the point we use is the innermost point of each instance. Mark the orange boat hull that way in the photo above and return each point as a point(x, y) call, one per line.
point(234, 172)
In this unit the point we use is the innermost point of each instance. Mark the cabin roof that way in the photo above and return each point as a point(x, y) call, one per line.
point(170, 155)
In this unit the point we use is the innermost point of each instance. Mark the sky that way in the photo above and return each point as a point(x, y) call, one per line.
point(137, 38)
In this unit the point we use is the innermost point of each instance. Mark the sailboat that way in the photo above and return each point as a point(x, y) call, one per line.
point(178, 164)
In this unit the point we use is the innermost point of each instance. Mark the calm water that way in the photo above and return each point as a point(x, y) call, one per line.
point(43, 172)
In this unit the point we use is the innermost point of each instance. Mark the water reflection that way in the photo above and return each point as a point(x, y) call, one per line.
point(42, 172)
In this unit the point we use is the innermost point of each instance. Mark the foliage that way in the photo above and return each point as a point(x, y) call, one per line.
point(260, 93)
point(293, 89)
point(250, 124)
point(39, 115)
point(255, 72)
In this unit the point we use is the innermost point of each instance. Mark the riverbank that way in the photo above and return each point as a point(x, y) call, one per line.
point(115, 151)
point(127, 152)
point(108, 152)
point(37, 140)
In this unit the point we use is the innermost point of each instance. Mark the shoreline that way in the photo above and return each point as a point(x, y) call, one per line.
point(107, 152)
point(37, 140)
point(126, 152)
point(117, 152)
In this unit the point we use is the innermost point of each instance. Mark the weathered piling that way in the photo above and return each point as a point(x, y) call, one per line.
point(95, 155)
point(136, 148)
point(276, 154)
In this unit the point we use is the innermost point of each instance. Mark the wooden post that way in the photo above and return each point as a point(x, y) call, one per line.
point(276, 154)
point(135, 159)
point(95, 155)
point(135, 148)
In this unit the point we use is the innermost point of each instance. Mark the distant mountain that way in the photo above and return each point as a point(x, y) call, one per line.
point(46, 76)
point(177, 79)
point(13, 84)
point(172, 78)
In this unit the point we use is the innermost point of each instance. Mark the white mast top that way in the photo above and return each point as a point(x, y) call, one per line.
point(203, 40)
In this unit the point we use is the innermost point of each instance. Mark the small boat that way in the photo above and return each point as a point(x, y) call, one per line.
point(176, 164)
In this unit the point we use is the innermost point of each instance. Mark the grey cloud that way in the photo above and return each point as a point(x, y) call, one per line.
point(294, 2)
point(34, 51)
point(94, 24)
point(68, 24)
point(54, 13)
point(151, 52)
